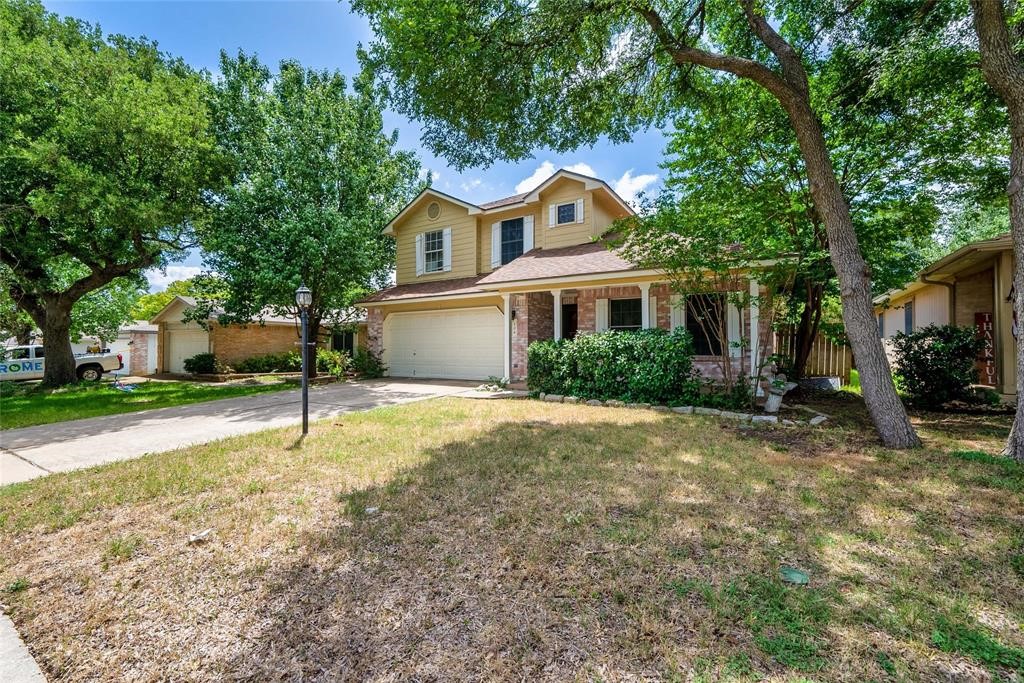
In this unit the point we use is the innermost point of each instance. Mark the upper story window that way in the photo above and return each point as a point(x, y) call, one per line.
point(567, 213)
point(625, 314)
point(433, 251)
point(511, 240)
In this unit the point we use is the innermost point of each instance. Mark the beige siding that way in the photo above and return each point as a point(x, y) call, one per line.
point(562, 192)
point(931, 306)
point(463, 241)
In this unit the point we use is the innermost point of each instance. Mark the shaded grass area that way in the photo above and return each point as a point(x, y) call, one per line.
point(462, 539)
point(24, 405)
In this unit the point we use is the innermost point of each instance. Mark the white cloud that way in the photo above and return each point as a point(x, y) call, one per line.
point(429, 174)
point(471, 184)
point(629, 185)
point(544, 172)
point(158, 280)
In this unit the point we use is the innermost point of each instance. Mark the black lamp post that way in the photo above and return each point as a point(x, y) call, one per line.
point(303, 298)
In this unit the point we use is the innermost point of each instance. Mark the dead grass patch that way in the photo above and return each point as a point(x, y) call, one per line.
point(463, 539)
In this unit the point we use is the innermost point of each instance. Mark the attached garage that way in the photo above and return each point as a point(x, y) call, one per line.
point(185, 342)
point(464, 343)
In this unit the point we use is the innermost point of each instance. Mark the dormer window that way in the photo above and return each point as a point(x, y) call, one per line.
point(567, 213)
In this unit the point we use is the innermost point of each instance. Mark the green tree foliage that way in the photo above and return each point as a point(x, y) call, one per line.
point(107, 162)
point(103, 311)
point(316, 178)
point(149, 305)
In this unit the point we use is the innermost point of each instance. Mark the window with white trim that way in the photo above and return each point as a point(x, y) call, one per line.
point(625, 314)
point(705, 321)
point(433, 251)
point(511, 240)
point(565, 213)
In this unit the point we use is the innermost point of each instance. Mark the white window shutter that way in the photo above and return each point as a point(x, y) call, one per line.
point(527, 233)
point(447, 249)
point(579, 210)
point(652, 307)
point(552, 215)
point(601, 315)
point(678, 317)
point(419, 254)
point(495, 245)
point(733, 327)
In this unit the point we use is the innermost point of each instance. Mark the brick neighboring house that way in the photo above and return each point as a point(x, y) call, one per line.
point(476, 284)
point(178, 340)
point(970, 287)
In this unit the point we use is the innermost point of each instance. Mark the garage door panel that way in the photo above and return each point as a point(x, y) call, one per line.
point(182, 344)
point(458, 344)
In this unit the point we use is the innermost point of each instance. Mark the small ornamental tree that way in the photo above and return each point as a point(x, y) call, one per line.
point(937, 363)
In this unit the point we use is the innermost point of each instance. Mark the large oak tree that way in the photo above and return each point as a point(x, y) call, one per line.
point(499, 78)
point(106, 163)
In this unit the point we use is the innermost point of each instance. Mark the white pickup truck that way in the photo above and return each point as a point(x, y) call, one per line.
point(27, 362)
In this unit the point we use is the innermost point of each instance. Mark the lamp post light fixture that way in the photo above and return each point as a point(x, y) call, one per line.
point(303, 298)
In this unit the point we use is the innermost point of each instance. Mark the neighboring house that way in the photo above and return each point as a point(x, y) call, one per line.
point(476, 284)
point(136, 342)
point(972, 287)
point(178, 340)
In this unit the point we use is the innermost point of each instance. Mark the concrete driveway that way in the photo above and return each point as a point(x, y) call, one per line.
point(33, 452)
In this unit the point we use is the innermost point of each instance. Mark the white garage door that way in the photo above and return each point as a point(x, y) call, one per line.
point(461, 344)
point(182, 344)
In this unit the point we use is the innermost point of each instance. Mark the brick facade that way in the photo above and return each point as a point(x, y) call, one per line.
point(138, 355)
point(534, 320)
point(974, 294)
point(235, 343)
point(375, 330)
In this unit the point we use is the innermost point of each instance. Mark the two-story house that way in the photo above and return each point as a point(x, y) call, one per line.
point(477, 283)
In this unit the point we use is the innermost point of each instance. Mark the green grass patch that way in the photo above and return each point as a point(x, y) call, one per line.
point(16, 586)
point(25, 405)
point(959, 638)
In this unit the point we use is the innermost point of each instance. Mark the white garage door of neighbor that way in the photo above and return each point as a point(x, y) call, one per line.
point(460, 344)
point(182, 344)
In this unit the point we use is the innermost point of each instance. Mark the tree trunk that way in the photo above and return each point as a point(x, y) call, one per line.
point(806, 330)
point(60, 360)
point(884, 405)
point(1004, 72)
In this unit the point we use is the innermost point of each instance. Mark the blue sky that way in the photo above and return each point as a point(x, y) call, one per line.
point(324, 34)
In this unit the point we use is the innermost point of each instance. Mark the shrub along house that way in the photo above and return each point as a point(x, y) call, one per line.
point(178, 339)
point(477, 283)
point(970, 287)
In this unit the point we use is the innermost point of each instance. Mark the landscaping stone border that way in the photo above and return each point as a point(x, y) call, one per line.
point(816, 421)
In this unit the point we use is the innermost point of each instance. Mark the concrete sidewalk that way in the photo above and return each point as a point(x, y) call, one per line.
point(33, 452)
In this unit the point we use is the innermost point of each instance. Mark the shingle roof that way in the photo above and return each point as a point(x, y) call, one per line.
point(416, 290)
point(579, 259)
point(514, 199)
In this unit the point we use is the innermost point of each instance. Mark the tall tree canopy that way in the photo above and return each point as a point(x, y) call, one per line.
point(499, 78)
point(316, 178)
point(107, 162)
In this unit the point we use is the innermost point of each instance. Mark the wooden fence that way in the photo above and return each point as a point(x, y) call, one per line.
point(827, 358)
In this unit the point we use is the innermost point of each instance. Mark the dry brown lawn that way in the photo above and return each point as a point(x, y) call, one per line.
point(482, 540)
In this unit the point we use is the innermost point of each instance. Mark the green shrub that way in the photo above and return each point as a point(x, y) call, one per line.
point(285, 361)
point(334, 363)
point(646, 366)
point(367, 364)
point(936, 363)
point(201, 364)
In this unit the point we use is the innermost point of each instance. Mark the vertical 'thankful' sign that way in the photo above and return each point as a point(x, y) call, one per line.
point(987, 358)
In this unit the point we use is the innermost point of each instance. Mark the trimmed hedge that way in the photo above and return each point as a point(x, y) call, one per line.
point(646, 366)
point(328, 362)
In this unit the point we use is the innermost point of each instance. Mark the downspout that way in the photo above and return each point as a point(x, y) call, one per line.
point(951, 286)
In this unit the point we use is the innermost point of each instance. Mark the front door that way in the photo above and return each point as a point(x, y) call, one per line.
point(569, 321)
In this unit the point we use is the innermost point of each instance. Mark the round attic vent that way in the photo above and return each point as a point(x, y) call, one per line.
point(433, 211)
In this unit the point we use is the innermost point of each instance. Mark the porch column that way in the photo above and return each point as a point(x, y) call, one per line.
point(508, 335)
point(645, 305)
point(556, 294)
